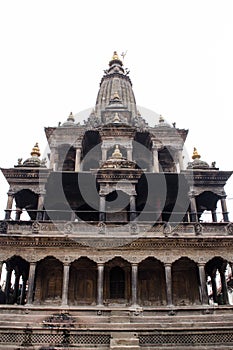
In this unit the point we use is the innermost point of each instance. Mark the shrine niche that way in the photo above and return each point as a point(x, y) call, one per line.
point(17, 270)
point(218, 279)
point(48, 281)
point(82, 282)
point(28, 200)
point(117, 281)
point(151, 283)
point(185, 282)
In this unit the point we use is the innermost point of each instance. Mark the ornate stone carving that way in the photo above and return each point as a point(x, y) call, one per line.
point(68, 227)
point(101, 227)
point(198, 229)
point(229, 228)
point(3, 227)
point(35, 227)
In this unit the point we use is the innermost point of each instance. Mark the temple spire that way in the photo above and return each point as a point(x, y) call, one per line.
point(195, 155)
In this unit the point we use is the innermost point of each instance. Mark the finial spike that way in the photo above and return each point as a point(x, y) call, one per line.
point(117, 153)
point(195, 155)
point(35, 151)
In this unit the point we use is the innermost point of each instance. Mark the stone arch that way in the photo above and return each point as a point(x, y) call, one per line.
point(166, 157)
point(185, 282)
point(28, 200)
point(91, 150)
point(217, 280)
point(206, 201)
point(117, 281)
point(17, 270)
point(66, 157)
point(151, 282)
point(83, 282)
point(48, 280)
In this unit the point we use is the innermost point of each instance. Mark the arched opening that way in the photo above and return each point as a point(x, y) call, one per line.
point(117, 206)
point(117, 281)
point(206, 206)
point(82, 282)
point(185, 282)
point(91, 150)
point(66, 158)
point(15, 284)
point(151, 283)
point(218, 278)
point(28, 200)
point(48, 281)
point(166, 160)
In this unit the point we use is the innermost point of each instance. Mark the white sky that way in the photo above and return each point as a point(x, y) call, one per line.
point(179, 53)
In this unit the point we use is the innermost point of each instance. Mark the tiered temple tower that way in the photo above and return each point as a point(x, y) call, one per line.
point(106, 244)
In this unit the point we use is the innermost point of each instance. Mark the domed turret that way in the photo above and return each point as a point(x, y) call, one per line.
point(197, 162)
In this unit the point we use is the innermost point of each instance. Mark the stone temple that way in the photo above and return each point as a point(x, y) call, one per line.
point(115, 241)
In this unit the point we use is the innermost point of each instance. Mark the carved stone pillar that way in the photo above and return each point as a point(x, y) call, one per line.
point(102, 214)
point(104, 154)
point(9, 205)
point(18, 213)
point(193, 207)
point(129, 153)
point(31, 282)
point(168, 277)
point(132, 208)
point(203, 281)
point(224, 209)
point(224, 286)
point(214, 288)
point(155, 160)
point(180, 160)
point(214, 215)
point(40, 206)
point(66, 270)
point(1, 269)
point(8, 284)
point(100, 283)
point(134, 283)
point(23, 291)
point(52, 163)
point(77, 159)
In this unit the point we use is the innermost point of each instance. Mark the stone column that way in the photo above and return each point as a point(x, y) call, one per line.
point(8, 284)
point(214, 215)
point(31, 282)
point(193, 206)
point(102, 216)
point(104, 154)
point(52, 160)
point(202, 275)
point(77, 159)
point(100, 284)
point(180, 160)
point(1, 263)
point(18, 213)
point(22, 296)
point(129, 153)
point(224, 209)
point(155, 158)
point(16, 287)
point(65, 286)
point(132, 208)
point(40, 206)
point(224, 286)
point(168, 278)
point(9, 205)
point(214, 288)
point(134, 287)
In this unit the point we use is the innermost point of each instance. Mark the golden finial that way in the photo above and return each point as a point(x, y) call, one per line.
point(116, 118)
point(35, 151)
point(195, 155)
point(161, 119)
point(71, 118)
point(115, 56)
point(117, 153)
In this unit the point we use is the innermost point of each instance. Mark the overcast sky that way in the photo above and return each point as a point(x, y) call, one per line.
point(179, 54)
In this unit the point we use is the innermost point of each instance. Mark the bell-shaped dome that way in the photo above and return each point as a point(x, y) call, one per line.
point(197, 162)
point(70, 120)
point(34, 160)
